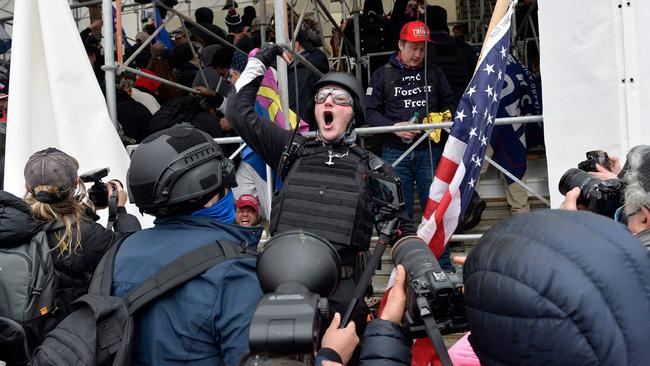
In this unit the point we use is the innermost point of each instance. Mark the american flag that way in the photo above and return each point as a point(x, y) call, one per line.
point(461, 161)
point(460, 165)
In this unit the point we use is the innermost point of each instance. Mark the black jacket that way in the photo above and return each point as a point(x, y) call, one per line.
point(268, 139)
point(559, 288)
point(384, 343)
point(133, 116)
point(17, 226)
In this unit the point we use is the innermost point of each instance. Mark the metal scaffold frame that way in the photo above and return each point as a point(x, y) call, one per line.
point(113, 68)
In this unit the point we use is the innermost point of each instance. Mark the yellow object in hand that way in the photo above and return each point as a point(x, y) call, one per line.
point(437, 117)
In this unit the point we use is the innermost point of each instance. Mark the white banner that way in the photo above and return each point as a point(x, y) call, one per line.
point(55, 99)
point(594, 76)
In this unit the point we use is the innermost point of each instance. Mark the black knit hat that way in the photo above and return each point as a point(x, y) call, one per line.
point(233, 20)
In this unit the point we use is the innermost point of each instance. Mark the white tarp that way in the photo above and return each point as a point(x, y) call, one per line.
point(54, 98)
point(594, 65)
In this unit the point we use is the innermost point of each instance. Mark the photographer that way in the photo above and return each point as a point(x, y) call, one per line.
point(540, 289)
point(636, 191)
point(54, 204)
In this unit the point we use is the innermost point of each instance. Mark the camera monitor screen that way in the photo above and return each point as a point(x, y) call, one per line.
point(386, 191)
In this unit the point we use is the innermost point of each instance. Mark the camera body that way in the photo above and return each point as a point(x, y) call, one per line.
point(297, 271)
point(98, 192)
point(431, 291)
point(595, 157)
point(288, 319)
point(599, 196)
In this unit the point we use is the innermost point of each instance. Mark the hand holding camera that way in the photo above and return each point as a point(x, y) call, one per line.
point(396, 303)
point(599, 189)
point(122, 195)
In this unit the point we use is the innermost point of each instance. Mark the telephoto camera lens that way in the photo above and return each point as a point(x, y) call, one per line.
point(422, 268)
point(578, 178)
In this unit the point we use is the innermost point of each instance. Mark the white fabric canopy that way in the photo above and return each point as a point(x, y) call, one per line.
point(594, 80)
point(54, 98)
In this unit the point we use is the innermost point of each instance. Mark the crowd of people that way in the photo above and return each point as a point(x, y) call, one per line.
point(538, 288)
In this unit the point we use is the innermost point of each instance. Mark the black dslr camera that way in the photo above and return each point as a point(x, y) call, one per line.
point(431, 292)
point(603, 197)
point(595, 157)
point(98, 193)
point(297, 272)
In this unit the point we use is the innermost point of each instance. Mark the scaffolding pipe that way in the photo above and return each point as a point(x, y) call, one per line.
point(517, 180)
point(280, 13)
point(357, 40)
point(333, 21)
point(300, 58)
point(82, 5)
point(366, 131)
point(147, 41)
point(109, 72)
point(189, 20)
point(157, 78)
point(264, 20)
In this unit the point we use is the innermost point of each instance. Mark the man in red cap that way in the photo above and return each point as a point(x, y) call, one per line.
point(399, 90)
point(247, 210)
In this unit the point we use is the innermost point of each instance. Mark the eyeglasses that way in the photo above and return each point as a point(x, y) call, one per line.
point(340, 97)
point(621, 216)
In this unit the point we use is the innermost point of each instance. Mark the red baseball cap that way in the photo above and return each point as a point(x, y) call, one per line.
point(415, 32)
point(248, 200)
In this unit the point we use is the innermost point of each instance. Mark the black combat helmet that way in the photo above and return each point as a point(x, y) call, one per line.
point(349, 83)
point(179, 165)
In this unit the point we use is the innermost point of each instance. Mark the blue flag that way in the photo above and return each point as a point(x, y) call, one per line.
point(163, 36)
point(519, 97)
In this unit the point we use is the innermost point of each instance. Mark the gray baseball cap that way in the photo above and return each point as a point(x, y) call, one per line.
point(51, 167)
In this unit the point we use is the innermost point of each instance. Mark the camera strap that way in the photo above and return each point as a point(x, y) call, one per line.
point(112, 209)
point(433, 332)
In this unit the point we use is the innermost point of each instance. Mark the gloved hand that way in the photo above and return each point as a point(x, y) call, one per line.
point(268, 54)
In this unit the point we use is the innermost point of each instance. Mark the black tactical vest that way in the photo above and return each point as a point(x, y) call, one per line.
point(327, 197)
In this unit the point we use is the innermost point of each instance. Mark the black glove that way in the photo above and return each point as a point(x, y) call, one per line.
point(268, 54)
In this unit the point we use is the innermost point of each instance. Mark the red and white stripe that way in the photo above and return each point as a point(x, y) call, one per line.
point(442, 210)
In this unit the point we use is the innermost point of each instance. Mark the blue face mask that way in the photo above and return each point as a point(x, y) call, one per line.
point(223, 210)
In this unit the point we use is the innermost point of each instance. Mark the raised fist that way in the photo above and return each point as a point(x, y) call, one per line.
point(268, 54)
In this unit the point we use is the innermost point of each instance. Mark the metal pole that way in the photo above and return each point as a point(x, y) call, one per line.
point(300, 58)
point(195, 56)
point(532, 28)
point(280, 12)
point(517, 180)
point(109, 71)
point(158, 79)
point(357, 38)
point(189, 20)
point(333, 21)
point(147, 41)
point(264, 21)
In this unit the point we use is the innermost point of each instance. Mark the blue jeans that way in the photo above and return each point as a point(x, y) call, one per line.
point(417, 169)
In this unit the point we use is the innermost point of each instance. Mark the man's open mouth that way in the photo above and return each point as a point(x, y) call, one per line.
point(328, 118)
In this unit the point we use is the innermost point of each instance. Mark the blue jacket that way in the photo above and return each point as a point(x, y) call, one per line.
point(396, 93)
point(205, 321)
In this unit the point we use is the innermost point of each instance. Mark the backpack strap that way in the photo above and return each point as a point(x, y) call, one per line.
point(179, 271)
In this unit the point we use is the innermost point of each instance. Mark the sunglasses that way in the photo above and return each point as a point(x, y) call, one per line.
point(339, 96)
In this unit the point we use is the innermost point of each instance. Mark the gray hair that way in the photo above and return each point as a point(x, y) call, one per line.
point(637, 179)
